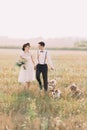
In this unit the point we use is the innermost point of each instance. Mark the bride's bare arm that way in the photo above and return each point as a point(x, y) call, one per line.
point(32, 60)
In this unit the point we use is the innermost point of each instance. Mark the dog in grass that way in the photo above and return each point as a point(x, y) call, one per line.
point(52, 87)
point(56, 93)
point(52, 84)
point(75, 91)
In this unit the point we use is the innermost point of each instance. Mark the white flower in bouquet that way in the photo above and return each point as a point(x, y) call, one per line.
point(21, 62)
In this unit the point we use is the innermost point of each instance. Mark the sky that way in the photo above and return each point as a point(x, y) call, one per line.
point(43, 18)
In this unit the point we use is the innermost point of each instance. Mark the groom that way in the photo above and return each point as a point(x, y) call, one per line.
point(43, 58)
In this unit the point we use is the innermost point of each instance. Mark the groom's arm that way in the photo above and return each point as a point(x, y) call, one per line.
point(49, 60)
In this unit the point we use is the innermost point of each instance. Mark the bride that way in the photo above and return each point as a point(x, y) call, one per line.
point(26, 74)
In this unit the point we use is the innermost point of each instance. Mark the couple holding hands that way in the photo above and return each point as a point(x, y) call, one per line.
point(27, 71)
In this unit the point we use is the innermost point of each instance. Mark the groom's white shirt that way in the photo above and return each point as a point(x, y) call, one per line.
point(43, 57)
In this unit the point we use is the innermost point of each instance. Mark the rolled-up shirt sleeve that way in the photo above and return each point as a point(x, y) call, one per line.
point(49, 60)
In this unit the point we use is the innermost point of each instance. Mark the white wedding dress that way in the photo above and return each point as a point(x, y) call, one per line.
point(28, 74)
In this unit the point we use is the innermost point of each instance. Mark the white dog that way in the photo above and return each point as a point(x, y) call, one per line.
point(52, 84)
point(56, 93)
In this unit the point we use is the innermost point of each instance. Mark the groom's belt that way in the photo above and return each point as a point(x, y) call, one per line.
point(42, 64)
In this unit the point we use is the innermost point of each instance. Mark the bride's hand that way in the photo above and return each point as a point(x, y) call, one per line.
point(34, 67)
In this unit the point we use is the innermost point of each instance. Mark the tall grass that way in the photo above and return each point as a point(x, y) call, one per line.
point(31, 110)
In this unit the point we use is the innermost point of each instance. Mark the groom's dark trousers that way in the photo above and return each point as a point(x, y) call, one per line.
point(42, 68)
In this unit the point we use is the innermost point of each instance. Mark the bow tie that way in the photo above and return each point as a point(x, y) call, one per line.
point(41, 51)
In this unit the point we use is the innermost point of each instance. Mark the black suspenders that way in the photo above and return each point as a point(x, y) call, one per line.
point(44, 58)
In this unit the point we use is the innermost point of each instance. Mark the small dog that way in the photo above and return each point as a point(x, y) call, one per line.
point(75, 91)
point(52, 84)
point(56, 93)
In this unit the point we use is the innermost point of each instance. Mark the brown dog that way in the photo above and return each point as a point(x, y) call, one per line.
point(75, 91)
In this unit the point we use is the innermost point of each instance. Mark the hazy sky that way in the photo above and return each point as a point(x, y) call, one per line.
point(43, 18)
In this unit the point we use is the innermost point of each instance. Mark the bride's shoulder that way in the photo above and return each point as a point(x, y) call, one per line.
point(30, 52)
point(21, 53)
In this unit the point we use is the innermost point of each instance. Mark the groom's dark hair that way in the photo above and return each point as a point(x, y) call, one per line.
point(41, 43)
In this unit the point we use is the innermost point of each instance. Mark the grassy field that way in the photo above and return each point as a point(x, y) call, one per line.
point(31, 110)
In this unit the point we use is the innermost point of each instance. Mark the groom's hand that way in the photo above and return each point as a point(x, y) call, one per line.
point(52, 68)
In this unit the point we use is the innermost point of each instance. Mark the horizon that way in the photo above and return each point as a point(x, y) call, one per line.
point(41, 37)
point(50, 42)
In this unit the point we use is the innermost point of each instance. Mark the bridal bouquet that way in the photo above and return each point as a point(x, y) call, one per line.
point(21, 62)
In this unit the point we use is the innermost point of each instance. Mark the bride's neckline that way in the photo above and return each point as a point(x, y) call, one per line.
point(26, 52)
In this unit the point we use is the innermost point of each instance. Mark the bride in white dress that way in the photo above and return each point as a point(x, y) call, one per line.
point(26, 74)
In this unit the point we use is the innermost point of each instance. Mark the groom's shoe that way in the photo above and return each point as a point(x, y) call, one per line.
point(41, 87)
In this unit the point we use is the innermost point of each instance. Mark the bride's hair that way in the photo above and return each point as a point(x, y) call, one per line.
point(25, 45)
